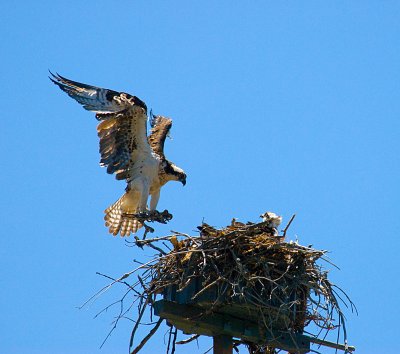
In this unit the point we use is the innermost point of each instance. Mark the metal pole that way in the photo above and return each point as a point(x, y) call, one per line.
point(222, 344)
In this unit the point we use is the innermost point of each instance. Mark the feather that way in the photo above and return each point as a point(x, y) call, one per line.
point(160, 129)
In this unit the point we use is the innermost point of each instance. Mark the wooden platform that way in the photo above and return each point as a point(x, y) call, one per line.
point(192, 319)
point(207, 313)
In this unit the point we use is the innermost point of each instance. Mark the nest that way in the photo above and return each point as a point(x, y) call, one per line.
point(244, 270)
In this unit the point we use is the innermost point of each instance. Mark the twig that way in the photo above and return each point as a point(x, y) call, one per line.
point(287, 226)
point(192, 338)
point(141, 312)
point(174, 341)
point(149, 335)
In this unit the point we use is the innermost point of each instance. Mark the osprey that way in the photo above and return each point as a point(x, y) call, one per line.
point(127, 152)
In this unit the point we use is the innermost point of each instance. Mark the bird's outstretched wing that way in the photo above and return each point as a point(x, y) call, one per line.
point(96, 99)
point(159, 131)
point(122, 130)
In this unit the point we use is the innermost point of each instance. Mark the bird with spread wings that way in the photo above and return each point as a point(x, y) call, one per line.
point(128, 152)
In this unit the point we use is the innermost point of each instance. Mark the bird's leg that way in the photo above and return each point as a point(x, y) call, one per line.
point(142, 216)
point(154, 200)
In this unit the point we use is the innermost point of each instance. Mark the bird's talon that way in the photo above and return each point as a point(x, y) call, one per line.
point(166, 215)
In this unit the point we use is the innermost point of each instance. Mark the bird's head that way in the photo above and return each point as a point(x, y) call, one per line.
point(182, 179)
point(273, 219)
point(181, 175)
point(175, 173)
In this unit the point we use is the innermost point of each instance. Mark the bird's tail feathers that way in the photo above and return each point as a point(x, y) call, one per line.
point(119, 218)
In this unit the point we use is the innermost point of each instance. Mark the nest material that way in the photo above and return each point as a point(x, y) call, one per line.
point(248, 268)
point(248, 264)
point(245, 265)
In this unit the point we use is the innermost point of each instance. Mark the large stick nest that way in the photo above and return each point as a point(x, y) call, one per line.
point(247, 269)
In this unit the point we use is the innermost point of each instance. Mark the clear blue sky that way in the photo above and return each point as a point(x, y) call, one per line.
point(277, 105)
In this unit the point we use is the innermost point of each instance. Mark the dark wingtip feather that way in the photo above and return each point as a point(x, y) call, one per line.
point(55, 79)
point(52, 76)
point(63, 79)
point(55, 82)
point(69, 82)
point(55, 76)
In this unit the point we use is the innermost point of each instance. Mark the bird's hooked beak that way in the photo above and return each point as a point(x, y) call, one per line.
point(183, 179)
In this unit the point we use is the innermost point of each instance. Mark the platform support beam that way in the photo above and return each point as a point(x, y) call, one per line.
point(222, 344)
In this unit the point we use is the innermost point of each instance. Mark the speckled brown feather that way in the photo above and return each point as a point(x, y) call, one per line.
point(159, 132)
point(116, 142)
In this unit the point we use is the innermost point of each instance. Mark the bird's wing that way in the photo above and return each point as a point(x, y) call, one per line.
point(159, 131)
point(122, 130)
point(97, 99)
